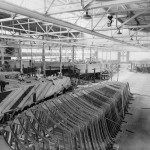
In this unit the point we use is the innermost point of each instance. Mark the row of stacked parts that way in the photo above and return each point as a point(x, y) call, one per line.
point(86, 119)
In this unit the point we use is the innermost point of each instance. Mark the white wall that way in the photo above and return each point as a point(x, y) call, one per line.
point(108, 55)
point(139, 55)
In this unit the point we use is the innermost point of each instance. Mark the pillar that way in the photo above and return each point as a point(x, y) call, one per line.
point(43, 59)
point(127, 56)
point(31, 56)
point(2, 56)
point(106, 56)
point(73, 54)
point(97, 55)
point(119, 57)
point(83, 53)
point(90, 54)
point(20, 57)
point(60, 58)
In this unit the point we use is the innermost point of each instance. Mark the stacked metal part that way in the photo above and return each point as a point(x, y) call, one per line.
point(87, 119)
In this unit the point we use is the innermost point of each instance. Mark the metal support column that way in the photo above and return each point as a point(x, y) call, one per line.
point(106, 57)
point(94, 75)
point(119, 57)
point(83, 53)
point(90, 54)
point(31, 56)
point(2, 56)
point(73, 58)
point(102, 55)
point(60, 58)
point(128, 55)
point(111, 67)
point(79, 77)
point(32, 70)
point(97, 55)
point(20, 57)
point(43, 59)
point(100, 71)
point(73, 54)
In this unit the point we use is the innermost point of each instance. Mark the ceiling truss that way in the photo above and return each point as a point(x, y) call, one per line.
point(70, 31)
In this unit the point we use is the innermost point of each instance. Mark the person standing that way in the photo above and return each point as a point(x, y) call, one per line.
point(34, 96)
point(2, 85)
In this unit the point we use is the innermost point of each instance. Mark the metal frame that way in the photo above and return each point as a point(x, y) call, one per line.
point(133, 17)
point(70, 28)
point(77, 7)
point(32, 14)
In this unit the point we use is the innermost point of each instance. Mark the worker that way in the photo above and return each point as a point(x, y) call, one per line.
point(60, 75)
point(51, 78)
point(39, 71)
point(21, 78)
point(38, 77)
point(3, 84)
point(34, 96)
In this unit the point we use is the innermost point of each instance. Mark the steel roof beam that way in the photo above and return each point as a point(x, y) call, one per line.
point(54, 42)
point(49, 7)
point(125, 36)
point(124, 27)
point(32, 33)
point(133, 17)
point(77, 7)
point(113, 3)
point(23, 11)
point(97, 14)
point(46, 41)
point(89, 4)
point(11, 19)
point(141, 28)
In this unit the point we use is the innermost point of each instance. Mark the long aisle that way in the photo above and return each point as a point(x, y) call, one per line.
point(135, 133)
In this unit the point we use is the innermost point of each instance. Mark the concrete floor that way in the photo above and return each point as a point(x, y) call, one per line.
point(138, 122)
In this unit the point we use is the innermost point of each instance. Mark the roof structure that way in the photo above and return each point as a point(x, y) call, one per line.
point(64, 22)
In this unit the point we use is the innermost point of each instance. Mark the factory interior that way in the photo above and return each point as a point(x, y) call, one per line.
point(74, 75)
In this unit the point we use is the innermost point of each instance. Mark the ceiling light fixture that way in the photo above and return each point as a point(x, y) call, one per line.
point(87, 16)
point(119, 32)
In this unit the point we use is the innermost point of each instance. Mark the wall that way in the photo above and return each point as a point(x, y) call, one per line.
point(108, 55)
point(135, 56)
